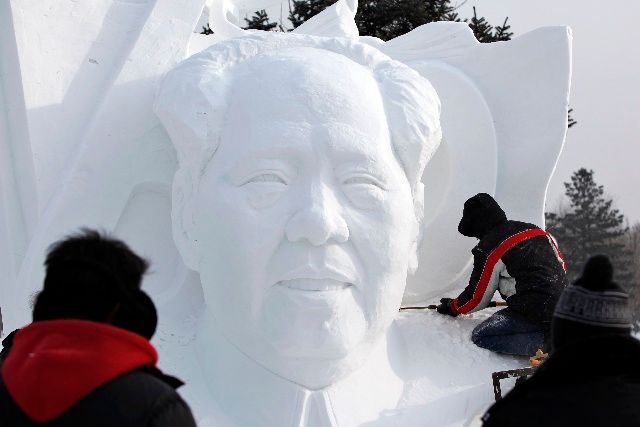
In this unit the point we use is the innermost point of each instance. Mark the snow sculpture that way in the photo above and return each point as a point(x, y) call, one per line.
point(298, 196)
point(81, 146)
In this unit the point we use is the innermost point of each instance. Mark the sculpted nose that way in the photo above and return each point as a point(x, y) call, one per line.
point(318, 221)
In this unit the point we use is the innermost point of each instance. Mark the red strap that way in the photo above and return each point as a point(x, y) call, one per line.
point(556, 249)
point(491, 262)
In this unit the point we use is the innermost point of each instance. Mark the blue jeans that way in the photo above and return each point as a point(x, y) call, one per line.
point(508, 332)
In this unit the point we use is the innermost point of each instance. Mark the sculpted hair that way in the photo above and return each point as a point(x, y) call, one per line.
point(193, 98)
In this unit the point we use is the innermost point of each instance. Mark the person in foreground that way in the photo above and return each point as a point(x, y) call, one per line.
point(86, 359)
point(592, 376)
point(523, 263)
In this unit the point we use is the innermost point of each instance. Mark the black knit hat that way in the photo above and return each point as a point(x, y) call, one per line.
point(594, 305)
point(92, 276)
point(480, 214)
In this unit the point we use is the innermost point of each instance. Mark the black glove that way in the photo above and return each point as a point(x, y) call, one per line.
point(445, 307)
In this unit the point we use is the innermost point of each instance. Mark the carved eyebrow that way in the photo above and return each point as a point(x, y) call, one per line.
point(371, 168)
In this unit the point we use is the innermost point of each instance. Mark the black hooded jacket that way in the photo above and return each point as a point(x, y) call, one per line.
point(592, 377)
point(71, 373)
point(592, 383)
point(518, 259)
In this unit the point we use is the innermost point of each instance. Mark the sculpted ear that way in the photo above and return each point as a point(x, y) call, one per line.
point(418, 209)
point(183, 221)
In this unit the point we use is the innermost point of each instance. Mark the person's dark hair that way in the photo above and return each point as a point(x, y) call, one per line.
point(92, 276)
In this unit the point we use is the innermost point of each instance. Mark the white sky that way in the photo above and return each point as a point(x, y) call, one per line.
point(605, 92)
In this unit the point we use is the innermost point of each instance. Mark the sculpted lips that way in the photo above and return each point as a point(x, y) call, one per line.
point(315, 285)
point(317, 280)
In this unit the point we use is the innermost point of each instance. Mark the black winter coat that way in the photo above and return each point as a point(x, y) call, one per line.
point(72, 373)
point(533, 264)
point(143, 397)
point(593, 383)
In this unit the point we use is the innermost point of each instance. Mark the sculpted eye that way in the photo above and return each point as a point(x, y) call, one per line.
point(363, 180)
point(264, 189)
point(366, 192)
point(267, 178)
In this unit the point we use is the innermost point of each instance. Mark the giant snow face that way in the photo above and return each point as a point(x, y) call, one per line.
point(304, 218)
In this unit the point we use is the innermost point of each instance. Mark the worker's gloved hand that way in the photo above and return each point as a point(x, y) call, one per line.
point(445, 307)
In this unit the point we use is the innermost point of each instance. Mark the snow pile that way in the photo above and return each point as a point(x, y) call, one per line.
point(448, 370)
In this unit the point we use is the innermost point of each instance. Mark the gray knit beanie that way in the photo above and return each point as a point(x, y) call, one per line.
point(592, 305)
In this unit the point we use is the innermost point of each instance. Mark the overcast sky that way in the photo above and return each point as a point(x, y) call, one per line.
point(605, 93)
point(605, 89)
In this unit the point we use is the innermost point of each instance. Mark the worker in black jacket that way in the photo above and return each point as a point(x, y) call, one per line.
point(86, 359)
point(520, 261)
point(592, 375)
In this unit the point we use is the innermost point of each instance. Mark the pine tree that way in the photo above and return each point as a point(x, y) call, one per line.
point(387, 19)
point(485, 32)
point(633, 246)
point(571, 121)
point(302, 10)
point(206, 30)
point(590, 226)
point(260, 21)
